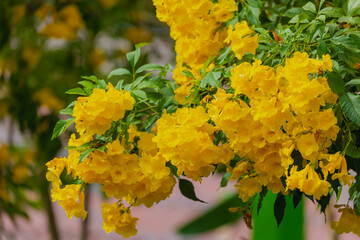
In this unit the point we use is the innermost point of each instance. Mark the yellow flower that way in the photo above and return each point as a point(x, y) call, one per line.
point(20, 173)
point(71, 198)
point(94, 114)
point(4, 155)
point(241, 39)
point(47, 99)
point(349, 222)
point(66, 23)
point(118, 219)
point(307, 181)
point(248, 187)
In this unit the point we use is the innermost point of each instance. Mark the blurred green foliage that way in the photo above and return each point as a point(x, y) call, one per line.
point(44, 47)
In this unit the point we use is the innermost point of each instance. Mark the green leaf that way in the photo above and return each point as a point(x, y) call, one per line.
point(102, 84)
point(300, 18)
point(138, 81)
point(188, 74)
point(91, 78)
point(279, 208)
point(187, 189)
point(76, 91)
point(215, 217)
point(321, 49)
point(173, 169)
point(225, 179)
point(119, 84)
point(138, 93)
point(66, 111)
point(133, 57)
point(310, 7)
point(149, 67)
point(336, 83)
point(119, 72)
point(291, 12)
point(296, 197)
point(149, 122)
point(61, 127)
point(350, 104)
point(85, 154)
point(207, 63)
point(323, 202)
point(353, 82)
point(221, 59)
point(86, 84)
point(211, 78)
point(262, 194)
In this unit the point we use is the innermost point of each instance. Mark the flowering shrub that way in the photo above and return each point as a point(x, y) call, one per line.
point(278, 112)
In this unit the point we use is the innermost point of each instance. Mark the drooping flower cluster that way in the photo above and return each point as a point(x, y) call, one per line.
point(349, 222)
point(286, 112)
point(137, 178)
point(195, 27)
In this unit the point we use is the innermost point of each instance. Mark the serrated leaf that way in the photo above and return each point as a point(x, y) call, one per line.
point(187, 189)
point(149, 122)
point(154, 96)
point(353, 82)
point(211, 78)
point(321, 49)
point(119, 85)
point(138, 81)
point(119, 72)
point(85, 154)
point(165, 102)
point(76, 91)
point(188, 74)
point(61, 127)
point(221, 59)
point(102, 84)
point(225, 179)
point(86, 84)
point(149, 67)
point(139, 93)
point(310, 7)
point(291, 12)
point(279, 208)
point(336, 83)
point(133, 57)
point(215, 217)
point(207, 63)
point(350, 104)
point(66, 111)
point(91, 78)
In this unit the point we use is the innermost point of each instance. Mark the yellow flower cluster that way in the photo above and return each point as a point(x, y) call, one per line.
point(349, 222)
point(139, 178)
point(184, 139)
point(241, 39)
point(286, 111)
point(94, 114)
point(195, 29)
point(65, 23)
point(118, 219)
point(15, 164)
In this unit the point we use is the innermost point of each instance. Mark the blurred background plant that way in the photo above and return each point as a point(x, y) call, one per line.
point(45, 46)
